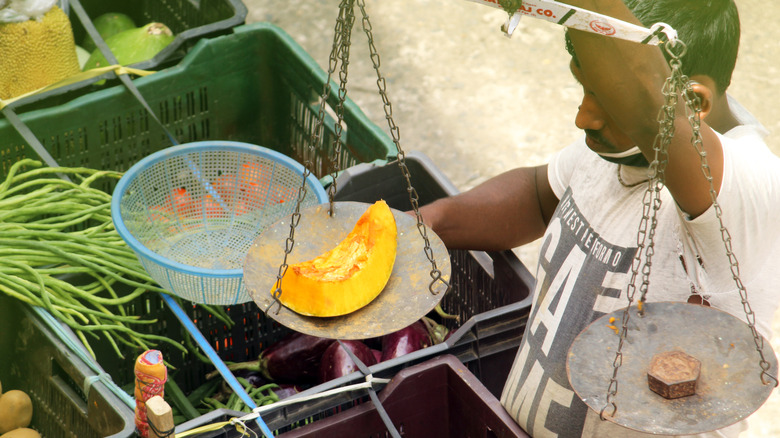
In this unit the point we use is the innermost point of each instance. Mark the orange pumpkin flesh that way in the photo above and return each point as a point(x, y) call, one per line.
point(350, 275)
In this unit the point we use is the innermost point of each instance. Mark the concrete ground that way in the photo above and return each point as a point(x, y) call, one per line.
point(479, 103)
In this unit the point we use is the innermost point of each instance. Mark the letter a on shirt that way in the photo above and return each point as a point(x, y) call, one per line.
point(578, 270)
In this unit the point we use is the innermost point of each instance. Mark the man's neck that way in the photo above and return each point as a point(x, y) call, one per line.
point(721, 119)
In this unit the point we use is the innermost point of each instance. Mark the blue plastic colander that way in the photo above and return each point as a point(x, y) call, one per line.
point(191, 212)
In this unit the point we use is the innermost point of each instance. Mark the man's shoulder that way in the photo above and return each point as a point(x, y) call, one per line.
point(745, 145)
point(748, 123)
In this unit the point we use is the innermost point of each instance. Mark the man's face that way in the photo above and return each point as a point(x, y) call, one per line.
point(602, 133)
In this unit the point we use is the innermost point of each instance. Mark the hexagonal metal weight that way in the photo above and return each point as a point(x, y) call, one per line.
point(673, 374)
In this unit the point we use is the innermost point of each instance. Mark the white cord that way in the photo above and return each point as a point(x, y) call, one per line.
point(664, 28)
point(369, 383)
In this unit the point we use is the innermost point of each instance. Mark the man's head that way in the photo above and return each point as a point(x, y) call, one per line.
point(710, 30)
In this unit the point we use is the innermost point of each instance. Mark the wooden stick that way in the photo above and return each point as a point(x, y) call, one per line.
point(160, 418)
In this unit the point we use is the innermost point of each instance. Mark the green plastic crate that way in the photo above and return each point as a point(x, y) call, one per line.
point(68, 399)
point(256, 86)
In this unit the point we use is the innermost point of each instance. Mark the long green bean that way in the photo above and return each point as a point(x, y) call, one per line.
point(60, 251)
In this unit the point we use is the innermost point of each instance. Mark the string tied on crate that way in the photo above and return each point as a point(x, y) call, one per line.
point(242, 428)
point(240, 422)
point(89, 381)
point(116, 69)
point(372, 393)
point(56, 327)
point(161, 433)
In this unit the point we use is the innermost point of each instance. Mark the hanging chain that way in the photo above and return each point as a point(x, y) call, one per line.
point(651, 203)
point(692, 111)
point(343, 55)
point(394, 131)
point(344, 25)
point(677, 84)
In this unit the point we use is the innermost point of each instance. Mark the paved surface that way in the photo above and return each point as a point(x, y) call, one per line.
point(479, 103)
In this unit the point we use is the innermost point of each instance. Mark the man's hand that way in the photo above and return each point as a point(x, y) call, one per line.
point(502, 213)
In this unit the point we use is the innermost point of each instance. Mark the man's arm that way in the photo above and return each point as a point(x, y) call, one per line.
point(627, 79)
point(504, 212)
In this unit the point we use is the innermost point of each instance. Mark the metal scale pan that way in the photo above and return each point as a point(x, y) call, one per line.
point(729, 387)
point(405, 299)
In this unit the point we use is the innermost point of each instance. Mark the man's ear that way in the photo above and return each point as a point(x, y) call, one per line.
point(702, 87)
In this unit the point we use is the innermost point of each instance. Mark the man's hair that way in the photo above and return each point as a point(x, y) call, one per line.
point(709, 28)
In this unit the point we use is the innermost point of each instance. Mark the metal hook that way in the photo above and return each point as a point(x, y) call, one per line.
point(668, 31)
point(614, 411)
point(276, 293)
point(510, 24)
point(436, 276)
point(766, 382)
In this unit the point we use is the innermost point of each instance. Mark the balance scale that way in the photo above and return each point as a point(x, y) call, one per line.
point(684, 368)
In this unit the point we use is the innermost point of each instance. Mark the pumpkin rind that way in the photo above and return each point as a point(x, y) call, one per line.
point(350, 275)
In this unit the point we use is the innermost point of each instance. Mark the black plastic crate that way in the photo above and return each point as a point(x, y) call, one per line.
point(35, 360)
point(492, 296)
point(492, 290)
point(189, 20)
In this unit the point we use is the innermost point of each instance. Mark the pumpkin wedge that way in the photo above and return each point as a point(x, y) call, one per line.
point(348, 276)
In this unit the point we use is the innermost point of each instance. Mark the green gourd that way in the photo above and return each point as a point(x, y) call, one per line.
point(108, 24)
point(133, 45)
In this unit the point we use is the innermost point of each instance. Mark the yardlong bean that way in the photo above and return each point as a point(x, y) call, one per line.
point(59, 250)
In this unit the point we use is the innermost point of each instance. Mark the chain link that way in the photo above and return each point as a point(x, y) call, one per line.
point(651, 203)
point(435, 273)
point(340, 52)
point(343, 55)
point(692, 111)
point(343, 29)
point(677, 84)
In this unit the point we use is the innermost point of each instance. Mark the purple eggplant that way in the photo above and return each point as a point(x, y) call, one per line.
point(293, 359)
point(412, 338)
point(255, 378)
point(286, 390)
point(336, 362)
point(377, 354)
point(374, 343)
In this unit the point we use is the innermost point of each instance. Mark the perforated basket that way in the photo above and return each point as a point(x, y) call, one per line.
point(191, 212)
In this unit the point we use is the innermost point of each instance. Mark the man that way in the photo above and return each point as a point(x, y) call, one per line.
point(587, 203)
